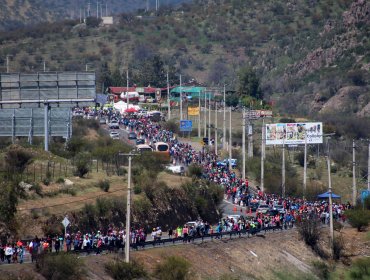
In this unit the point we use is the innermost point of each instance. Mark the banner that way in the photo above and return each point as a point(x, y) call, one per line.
point(193, 111)
point(293, 133)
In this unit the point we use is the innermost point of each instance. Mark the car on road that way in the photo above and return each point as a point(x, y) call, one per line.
point(272, 212)
point(102, 121)
point(132, 136)
point(225, 162)
point(254, 205)
point(114, 134)
point(177, 169)
point(144, 148)
point(279, 208)
point(234, 217)
point(140, 141)
point(113, 125)
point(263, 209)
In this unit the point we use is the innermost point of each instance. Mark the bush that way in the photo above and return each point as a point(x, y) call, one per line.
point(82, 167)
point(309, 230)
point(37, 189)
point(17, 159)
point(121, 270)
point(173, 268)
point(358, 218)
point(338, 247)
point(60, 180)
point(321, 269)
point(137, 190)
point(360, 269)
point(195, 170)
point(60, 266)
point(104, 185)
point(46, 181)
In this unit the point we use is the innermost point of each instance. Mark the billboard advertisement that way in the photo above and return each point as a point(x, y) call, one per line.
point(193, 111)
point(293, 133)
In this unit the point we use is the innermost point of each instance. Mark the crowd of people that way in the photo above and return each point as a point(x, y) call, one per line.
point(236, 191)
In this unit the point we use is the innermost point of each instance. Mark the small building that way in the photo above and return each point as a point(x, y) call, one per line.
point(190, 93)
point(107, 21)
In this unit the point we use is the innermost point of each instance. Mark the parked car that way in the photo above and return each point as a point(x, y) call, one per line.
point(103, 121)
point(114, 134)
point(113, 125)
point(263, 209)
point(132, 136)
point(177, 169)
point(225, 162)
point(144, 148)
point(253, 205)
point(279, 208)
point(140, 141)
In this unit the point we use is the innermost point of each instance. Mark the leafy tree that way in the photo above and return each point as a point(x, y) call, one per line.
point(232, 100)
point(93, 21)
point(248, 83)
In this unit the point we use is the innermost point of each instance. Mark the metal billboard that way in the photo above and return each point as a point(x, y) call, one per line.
point(294, 133)
point(31, 90)
point(30, 122)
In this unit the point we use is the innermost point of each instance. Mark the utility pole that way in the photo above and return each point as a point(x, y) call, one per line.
point(209, 117)
point(263, 156)
point(331, 224)
point(205, 112)
point(354, 188)
point(216, 130)
point(128, 212)
point(80, 15)
point(89, 9)
point(283, 170)
point(44, 66)
point(168, 97)
point(305, 165)
point(199, 128)
point(243, 145)
point(368, 170)
point(230, 139)
point(224, 132)
point(97, 9)
point(250, 139)
point(106, 9)
point(180, 97)
point(7, 63)
point(127, 97)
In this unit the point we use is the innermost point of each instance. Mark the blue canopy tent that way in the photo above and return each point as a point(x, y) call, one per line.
point(326, 195)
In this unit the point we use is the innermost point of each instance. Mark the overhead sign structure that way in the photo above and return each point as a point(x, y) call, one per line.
point(29, 122)
point(25, 90)
point(193, 111)
point(186, 126)
point(294, 133)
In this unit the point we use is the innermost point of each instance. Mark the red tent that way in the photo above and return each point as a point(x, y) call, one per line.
point(131, 110)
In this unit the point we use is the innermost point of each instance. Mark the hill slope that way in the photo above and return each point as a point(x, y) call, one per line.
point(19, 13)
point(307, 53)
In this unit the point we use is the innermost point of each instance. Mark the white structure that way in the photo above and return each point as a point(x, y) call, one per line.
point(107, 21)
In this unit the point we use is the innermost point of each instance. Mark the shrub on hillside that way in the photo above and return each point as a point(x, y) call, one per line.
point(173, 268)
point(358, 218)
point(195, 170)
point(119, 269)
point(360, 269)
point(60, 266)
point(104, 185)
point(309, 230)
point(82, 166)
point(17, 159)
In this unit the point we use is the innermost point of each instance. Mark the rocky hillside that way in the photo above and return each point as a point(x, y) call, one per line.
point(311, 56)
point(15, 13)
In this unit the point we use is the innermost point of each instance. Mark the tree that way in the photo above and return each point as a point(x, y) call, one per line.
point(248, 83)
point(173, 268)
point(17, 159)
point(232, 100)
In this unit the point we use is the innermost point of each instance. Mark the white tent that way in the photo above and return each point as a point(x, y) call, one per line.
point(122, 106)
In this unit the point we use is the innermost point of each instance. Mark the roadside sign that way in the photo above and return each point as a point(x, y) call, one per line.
point(364, 195)
point(186, 125)
point(158, 95)
point(65, 222)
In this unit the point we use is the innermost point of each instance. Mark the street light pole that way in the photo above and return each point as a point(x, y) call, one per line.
point(128, 99)
point(283, 170)
point(128, 212)
point(305, 165)
point(168, 97)
point(263, 157)
point(205, 112)
point(354, 187)
point(230, 139)
point(216, 130)
point(180, 97)
point(331, 223)
point(224, 132)
point(368, 170)
point(209, 117)
point(243, 145)
point(199, 128)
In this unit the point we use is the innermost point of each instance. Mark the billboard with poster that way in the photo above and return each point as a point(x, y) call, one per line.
point(293, 133)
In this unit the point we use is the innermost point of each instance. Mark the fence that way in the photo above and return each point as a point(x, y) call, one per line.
point(38, 171)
